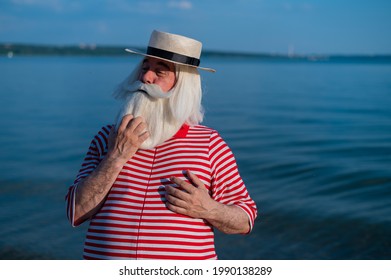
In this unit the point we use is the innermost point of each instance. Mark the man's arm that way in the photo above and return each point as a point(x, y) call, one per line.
point(122, 145)
point(194, 200)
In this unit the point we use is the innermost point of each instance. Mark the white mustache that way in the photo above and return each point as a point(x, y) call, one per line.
point(152, 90)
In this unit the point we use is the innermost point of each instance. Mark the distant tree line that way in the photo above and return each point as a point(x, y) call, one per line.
point(11, 50)
point(26, 49)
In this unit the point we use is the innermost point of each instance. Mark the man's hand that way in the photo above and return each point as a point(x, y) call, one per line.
point(193, 199)
point(189, 199)
point(124, 143)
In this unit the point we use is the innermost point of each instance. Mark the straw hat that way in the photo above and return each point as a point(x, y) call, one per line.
point(174, 48)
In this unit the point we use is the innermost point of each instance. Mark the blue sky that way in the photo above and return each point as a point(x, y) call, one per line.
point(273, 26)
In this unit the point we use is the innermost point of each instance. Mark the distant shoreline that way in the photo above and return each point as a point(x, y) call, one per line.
point(17, 49)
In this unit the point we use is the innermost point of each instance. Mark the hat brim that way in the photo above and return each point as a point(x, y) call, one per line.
point(172, 61)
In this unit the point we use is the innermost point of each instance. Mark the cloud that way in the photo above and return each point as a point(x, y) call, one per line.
point(28, 2)
point(297, 6)
point(180, 4)
point(155, 7)
point(49, 5)
point(53, 4)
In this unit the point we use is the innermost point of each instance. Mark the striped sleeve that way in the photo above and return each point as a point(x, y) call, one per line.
point(95, 153)
point(228, 187)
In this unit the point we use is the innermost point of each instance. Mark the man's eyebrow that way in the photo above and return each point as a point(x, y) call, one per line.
point(165, 65)
point(160, 63)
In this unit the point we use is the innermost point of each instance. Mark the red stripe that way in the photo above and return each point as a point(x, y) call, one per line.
point(149, 234)
point(146, 241)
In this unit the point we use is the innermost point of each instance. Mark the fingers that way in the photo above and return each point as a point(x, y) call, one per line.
point(182, 184)
point(131, 133)
point(124, 122)
point(134, 125)
point(175, 192)
point(176, 197)
point(194, 179)
point(176, 209)
point(144, 136)
point(138, 126)
point(177, 200)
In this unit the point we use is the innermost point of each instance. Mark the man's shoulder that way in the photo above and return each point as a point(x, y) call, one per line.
point(105, 129)
point(203, 131)
point(103, 132)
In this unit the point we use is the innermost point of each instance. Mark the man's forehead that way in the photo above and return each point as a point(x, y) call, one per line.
point(157, 61)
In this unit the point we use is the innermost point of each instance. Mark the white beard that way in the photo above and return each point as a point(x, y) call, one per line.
point(153, 105)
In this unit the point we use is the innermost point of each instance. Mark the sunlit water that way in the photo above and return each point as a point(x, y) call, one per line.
point(312, 140)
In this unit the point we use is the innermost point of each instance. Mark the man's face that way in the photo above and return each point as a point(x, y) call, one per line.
point(159, 72)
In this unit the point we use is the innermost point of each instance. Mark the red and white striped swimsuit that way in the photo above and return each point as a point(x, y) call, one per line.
point(134, 222)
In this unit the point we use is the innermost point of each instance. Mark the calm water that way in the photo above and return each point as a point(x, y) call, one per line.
point(313, 143)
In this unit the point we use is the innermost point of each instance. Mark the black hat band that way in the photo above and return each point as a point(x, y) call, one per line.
point(173, 56)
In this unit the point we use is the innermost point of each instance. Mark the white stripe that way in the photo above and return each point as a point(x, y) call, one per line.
point(123, 209)
point(111, 222)
point(154, 231)
point(142, 181)
point(133, 238)
point(157, 217)
point(157, 245)
point(189, 148)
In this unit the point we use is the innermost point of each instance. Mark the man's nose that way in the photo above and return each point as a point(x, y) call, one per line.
point(148, 77)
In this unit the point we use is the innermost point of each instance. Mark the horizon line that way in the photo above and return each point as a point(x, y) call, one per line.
point(117, 50)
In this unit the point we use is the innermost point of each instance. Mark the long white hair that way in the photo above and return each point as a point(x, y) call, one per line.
point(163, 116)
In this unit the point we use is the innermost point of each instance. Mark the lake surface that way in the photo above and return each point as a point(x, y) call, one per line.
point(312, 141)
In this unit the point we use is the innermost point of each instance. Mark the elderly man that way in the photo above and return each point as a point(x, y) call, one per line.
point(155, 184)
